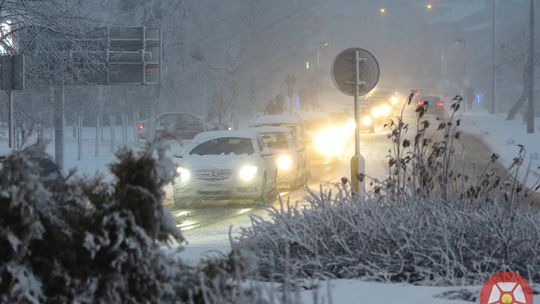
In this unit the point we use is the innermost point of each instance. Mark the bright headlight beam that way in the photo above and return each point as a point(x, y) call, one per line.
point(184, 173)
point(284, 162)
point(386, 110)
point(247, 173)
point(375, 112)
point(330, 142)
point(367, 121)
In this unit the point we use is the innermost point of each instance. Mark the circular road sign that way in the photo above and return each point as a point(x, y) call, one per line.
point(344, 71)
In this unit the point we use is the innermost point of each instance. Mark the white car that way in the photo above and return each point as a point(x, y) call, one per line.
point(223, 165)
point(289, 157)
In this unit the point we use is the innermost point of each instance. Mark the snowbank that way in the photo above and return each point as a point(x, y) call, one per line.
point(504, 136)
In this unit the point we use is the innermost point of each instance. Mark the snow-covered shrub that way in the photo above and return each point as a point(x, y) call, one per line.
point(432, 163)
point(430, 220)
point(340, 236)
point(80, 240)
point(87, 240)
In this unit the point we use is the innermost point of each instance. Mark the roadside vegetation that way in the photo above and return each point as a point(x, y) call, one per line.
point(434, 220)
point(79, 240)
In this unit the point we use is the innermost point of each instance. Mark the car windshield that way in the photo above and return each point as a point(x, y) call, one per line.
point(225, 145)
point(274, 140)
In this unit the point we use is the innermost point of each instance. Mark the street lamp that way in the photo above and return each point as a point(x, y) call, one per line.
point(463, 42)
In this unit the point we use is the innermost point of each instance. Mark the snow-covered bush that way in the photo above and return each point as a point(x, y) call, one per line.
point(340, 236)
point(87, 240)
point(90, 241)
point(430, 220)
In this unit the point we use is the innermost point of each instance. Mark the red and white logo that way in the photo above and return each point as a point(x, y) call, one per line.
point(506, 288)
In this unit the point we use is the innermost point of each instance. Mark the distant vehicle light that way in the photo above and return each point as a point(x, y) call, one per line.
point(376, 112)
point(284, 162)
point(247, 173)
point(141, 126)
point(367, 121)
point(386, 110)
point(394, 100)
point(440, 104)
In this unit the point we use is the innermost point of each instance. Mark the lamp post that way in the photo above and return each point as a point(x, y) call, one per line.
point(323, 44)
point(493, 104)
point(530, 84)
point(463, 42)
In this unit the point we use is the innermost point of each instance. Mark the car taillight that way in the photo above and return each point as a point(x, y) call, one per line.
point(141, 126)
point(440, 104)
point(420, 103)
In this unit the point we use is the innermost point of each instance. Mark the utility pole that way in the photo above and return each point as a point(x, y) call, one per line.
point(59, 112)
point(530, 84)
point(493, 104)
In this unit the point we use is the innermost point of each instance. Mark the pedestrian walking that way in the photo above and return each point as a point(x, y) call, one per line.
point(270, 108)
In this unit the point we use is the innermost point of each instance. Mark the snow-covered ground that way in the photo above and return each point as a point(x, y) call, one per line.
point(504, 136)
point(353, 291)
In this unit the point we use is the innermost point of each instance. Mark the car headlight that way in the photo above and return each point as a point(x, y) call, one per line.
point(386, 110)
point(184, 173)
point(247, 173)
point(330, 142)
point(284, 162)
point(375, 112)
point(367, 121)
point(394, 100)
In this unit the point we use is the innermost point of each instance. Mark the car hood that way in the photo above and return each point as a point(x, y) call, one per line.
point(216, 161)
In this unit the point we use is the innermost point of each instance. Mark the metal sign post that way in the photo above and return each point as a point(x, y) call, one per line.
point(11, 121)
point(358, 162)
point(12, 74)
point(355, 72)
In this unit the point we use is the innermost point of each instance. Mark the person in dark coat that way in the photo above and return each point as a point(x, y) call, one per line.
point(270, 108)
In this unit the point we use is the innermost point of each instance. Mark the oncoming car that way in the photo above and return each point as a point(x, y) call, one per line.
point(225, 165)
point(290, 159)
